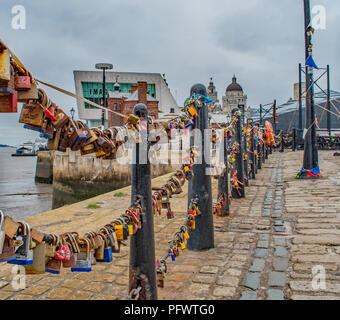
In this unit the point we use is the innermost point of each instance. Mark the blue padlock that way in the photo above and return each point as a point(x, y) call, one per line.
point(188, 123)
point(26, 126)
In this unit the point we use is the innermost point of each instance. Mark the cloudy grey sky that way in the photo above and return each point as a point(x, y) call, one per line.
point(261, 41)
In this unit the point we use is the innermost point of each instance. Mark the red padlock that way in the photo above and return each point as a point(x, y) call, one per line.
point(22, 83)
point(63, 254)
point(50, 115)
point(9, 102)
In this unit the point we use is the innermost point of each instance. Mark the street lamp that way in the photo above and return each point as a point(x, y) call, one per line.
point(103, 66)
point(72, 111)
point(228, 118)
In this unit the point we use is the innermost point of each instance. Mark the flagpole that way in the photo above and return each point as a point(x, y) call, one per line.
point(310, 156)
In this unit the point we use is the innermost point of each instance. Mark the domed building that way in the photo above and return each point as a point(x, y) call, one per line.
point(234, 97)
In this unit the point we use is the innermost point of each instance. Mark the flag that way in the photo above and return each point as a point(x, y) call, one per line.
point(311, 63)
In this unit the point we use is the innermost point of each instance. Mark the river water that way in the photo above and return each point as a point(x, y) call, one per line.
point(20, 196)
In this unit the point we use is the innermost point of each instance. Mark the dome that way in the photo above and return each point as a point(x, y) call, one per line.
point(234, 86)
point(116, 86)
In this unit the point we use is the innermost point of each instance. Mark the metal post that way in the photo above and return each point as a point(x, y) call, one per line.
point(329, 123)
point(252, 151)
point(202, 237)
point(294, 140)
point(223, 181)
point(238, 164)
point(255, 155)
point(300, 101)
point(259, 153)
point(282, 142)
point(244, 146)
point(264, 148)
point(104, 99)
point(310, 156)
point(260, 114)
point(142, 245)
point(274, 117)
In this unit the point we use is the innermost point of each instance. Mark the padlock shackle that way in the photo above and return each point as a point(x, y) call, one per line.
point(2, 219)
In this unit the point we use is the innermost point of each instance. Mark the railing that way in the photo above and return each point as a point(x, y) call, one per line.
point(243, 148)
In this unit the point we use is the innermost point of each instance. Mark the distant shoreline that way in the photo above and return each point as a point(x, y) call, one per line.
point(5, 146)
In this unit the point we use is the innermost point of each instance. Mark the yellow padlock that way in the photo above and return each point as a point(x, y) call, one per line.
point(100, 153)
point(119, 232)
point(5, 65)
point(192, 111)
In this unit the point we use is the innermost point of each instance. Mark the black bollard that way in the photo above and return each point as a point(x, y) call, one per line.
point(238, 164)
point(142, 244)
point(294, 140)
point(202, 237)
point(282, 142)
point(263, 147)
point(259, 150)
point(252, 150)
point(255, 152)
point(223, 182)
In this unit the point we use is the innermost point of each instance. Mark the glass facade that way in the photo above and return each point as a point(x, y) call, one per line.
point(93, 91)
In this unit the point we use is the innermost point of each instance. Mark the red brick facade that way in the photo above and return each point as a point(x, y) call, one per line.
point(124, 103)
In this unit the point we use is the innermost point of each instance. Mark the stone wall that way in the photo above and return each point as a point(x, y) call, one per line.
point(76, 178)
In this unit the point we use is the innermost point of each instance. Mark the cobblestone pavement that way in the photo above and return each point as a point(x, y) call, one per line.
point(265, 249)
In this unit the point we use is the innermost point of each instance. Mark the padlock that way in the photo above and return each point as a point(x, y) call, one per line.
point(63, 253)
point(107, 250)
point(8, 250)
point(161, 273)
point(53, 266)
point(39, 261)
point(53, 143)
point(2, 233)
point(76, 136)
point(5, 65)
point(192, 111)
point(37, 236)
point(32, 115)
point(84, 258)
point(116, 243)
point(185, 232)
point(173, 255)
point(22, 82)
point(48, 131)
point(8, 102)
point(70, 240)
point(119, 232)
point(104, 143)
point(8, 95)
point(99, 251)
point(23, 253)
point(31, 94)
point(64, 141)
point(191, 222)
point(187, 172)
point(61, 118)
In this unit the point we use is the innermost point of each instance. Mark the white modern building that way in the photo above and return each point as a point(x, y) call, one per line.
point(89, 84)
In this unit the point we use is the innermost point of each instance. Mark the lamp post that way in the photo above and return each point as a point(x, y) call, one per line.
point(228, 119)
point(72, 111)
point(103, 66)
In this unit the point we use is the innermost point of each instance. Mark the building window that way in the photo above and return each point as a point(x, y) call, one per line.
point(115, 107)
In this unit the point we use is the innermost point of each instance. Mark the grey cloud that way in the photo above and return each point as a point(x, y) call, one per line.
point(261, 41)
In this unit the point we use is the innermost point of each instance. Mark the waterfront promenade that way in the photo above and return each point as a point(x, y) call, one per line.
point(265, 249)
